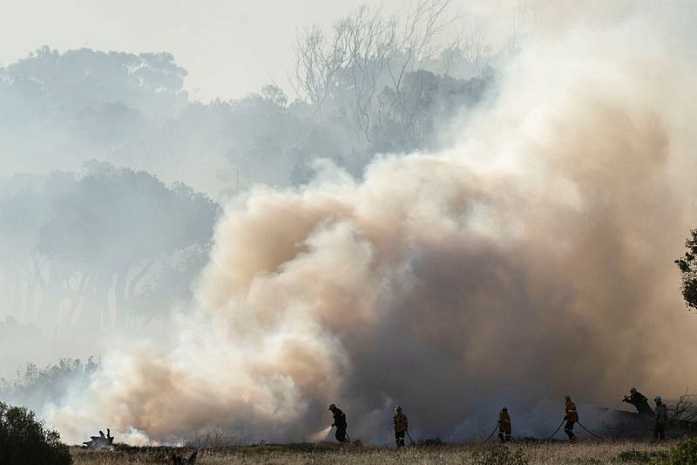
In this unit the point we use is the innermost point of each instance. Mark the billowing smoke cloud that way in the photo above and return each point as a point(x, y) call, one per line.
point(532, 259)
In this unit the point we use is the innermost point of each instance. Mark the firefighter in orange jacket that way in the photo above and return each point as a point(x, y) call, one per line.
point(571, 417)
point(504, 425)
point(401, 425)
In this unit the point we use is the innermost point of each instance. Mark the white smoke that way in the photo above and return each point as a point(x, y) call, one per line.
point(532, 259)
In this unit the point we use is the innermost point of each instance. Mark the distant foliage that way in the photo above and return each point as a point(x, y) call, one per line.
point(688, 268)
point(24, 440)
point(387, 81)
point(102, 247)
point(112, 245)
point(38, 386)
point(373, 83)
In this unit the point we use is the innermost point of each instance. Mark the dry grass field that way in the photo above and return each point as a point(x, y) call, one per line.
point(533, 453)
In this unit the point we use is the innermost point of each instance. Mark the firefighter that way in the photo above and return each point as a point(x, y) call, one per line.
point(639, 401)
point(504, 425)
point(401, 426)
point(659, 431)
point(339, 423)
point(570, 417)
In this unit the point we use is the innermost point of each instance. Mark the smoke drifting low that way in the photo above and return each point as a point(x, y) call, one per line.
point(532, 259)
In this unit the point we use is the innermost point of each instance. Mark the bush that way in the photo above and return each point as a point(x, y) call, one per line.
point(499, 454)
point(641, 456)
point(24, 441)
point(684, 454)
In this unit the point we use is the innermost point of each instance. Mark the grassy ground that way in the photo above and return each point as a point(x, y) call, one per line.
point(552, 453)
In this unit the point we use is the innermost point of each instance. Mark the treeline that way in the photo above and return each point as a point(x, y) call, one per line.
point(371, 84)
point(104, 246)
point(102, 229)
point(37, 387)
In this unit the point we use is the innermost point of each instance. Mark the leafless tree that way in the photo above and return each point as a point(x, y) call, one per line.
point(212, 438)
point(472, 46)
point(365, 53)
point(682, 405)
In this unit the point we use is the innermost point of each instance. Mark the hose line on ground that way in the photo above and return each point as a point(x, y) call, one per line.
point(589, 431)
point(556, 430)
point(492, 433)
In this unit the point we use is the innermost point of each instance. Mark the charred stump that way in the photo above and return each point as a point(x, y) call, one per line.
point(100, 442)
point(177, 460)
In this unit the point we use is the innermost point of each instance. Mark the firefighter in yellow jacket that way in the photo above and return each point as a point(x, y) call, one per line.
point(504, 425)
point(401, 425)
point(571, 417)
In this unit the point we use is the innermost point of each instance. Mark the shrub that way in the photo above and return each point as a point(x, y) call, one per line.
point(641, 456)
point(499, 454)
point(24, 441)
point(684, 454)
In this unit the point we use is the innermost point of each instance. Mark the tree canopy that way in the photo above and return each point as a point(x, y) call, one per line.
point(688, 269)
point(25, 441)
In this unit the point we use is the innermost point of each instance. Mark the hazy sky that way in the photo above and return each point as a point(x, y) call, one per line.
point(229, 47)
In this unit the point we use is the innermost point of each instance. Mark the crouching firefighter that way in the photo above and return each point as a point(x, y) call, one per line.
point(504, 425)
point(401, 426)
point(571, 417)
point(339, 422)
point(638, 400)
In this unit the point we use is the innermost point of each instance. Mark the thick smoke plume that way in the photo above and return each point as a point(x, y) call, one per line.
point(532, 259)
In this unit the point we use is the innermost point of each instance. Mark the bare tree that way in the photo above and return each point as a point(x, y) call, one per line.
point(471, 46)
point(318, 64)
point(365, 53)
point(680, 411)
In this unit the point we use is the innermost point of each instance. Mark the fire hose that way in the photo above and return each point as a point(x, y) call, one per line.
point(579, 424)
point(555, 431)
point(588, 431)
point(492, 433)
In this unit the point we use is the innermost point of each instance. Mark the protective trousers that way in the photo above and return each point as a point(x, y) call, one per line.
point(568, 429)
point(399, 438)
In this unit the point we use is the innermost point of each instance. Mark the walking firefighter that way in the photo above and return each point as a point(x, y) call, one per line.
point(571, 417)
point(401, 426)
point(504, 425)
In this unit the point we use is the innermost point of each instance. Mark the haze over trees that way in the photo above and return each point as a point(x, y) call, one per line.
point(374, 83)
point(101, 246)
point(113, 177)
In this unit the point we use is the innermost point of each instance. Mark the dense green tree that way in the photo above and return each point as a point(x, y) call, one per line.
point(688, 268)
point(25, 441)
